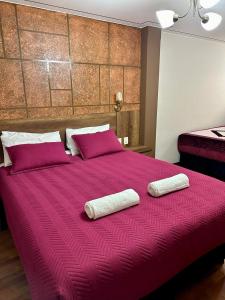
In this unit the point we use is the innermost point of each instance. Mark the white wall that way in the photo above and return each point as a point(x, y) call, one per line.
point(191, 89)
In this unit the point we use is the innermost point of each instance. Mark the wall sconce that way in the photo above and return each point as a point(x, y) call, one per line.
point(119, 101)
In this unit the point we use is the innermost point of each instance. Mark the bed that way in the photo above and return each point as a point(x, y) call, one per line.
point(126, 255)
point(204, 151)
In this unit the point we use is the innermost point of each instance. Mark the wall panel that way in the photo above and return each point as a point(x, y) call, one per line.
point(50, 112)
point(46, 46)
point(11, 84)
point(35, 19)
point(9, 30)
point(85, 80)
point(132, 84)
point(88, 40)
point(104, 84)
point(55, 65)
point(36, 83)
point(124, 45)
point(61, 98)
point(59, 76)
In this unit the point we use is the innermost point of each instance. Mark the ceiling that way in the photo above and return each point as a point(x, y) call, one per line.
point(138, 13)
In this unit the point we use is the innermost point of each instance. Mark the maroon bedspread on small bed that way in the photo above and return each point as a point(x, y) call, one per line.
point(122, 256)
point(203, 143)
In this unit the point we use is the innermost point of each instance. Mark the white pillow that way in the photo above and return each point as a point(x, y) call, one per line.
point(69, 132)
point(10, 138)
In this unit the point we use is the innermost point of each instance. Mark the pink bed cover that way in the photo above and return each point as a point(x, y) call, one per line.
point(122, 256)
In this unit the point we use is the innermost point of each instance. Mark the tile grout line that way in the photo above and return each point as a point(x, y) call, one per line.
point(41, 107)
point(66, 90)
point(99, 85)
point(123, 86)
point(1, 32)
point(42, 32)
point(49, 83)
point(75, 62)
point(109, 53)
point(21, 61)
point(71, 80)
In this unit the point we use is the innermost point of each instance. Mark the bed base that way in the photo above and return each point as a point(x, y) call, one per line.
point(204, 266)
point(203, 165)
point(3, 222)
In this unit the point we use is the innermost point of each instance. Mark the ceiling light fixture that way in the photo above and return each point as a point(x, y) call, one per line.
point(209, 21)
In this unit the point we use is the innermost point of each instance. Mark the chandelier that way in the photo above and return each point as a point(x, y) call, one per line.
point(209, 20)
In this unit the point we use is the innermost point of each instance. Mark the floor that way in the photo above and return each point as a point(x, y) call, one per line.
point(13, 285)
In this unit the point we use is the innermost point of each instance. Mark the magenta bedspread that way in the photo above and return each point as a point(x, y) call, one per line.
point(203, 143)
point(122, 256)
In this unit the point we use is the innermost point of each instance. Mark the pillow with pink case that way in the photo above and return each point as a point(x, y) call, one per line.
point(28, 157)
point(96, 144)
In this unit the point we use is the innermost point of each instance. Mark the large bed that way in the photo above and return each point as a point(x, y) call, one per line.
point(126, 255)
point(204, 151)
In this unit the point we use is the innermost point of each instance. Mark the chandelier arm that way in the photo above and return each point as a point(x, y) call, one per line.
point(199, 14)
point(203, 18)
point(189, 9)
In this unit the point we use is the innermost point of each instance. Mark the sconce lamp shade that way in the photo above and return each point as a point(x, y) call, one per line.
point(119, 102)
point(119, 97)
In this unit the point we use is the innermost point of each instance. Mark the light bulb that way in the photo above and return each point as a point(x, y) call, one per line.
point(166, 18)
point(213, 22)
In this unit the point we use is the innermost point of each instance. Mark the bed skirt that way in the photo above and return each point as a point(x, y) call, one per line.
point(203, 165)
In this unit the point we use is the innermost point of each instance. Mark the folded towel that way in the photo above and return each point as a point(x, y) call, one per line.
point(168, 185)
point(104, 206)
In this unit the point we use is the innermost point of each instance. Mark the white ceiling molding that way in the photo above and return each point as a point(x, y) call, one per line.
point(194, 35)
point(79, 13)
point(140, 15)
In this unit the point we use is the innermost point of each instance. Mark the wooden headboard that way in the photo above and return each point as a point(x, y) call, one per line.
point(57, 124)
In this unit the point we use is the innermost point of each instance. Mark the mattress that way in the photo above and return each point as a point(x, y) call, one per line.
point(207, 143)
point(125, 255)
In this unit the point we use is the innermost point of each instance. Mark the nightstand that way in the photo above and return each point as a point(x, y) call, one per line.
point(146, 150)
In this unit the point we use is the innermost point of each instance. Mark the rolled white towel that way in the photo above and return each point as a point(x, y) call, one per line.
point(168, 185)
point(104, 206)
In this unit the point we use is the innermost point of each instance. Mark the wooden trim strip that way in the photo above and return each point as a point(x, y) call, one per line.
point(43, 32)
point(151, 38)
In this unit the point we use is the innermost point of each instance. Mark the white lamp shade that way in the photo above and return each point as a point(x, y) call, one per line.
point(165, 18)
point(119, 96)
point(213, 23)
point(208, 3)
